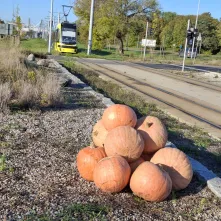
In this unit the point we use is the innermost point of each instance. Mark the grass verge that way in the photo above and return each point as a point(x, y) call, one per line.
point(191, 140)
point(23, 87)
point(74, 211)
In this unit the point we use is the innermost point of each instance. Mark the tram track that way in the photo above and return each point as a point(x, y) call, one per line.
point(197, 82)
point(201, 112)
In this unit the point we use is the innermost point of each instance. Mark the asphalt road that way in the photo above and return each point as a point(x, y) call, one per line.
point(178, 67)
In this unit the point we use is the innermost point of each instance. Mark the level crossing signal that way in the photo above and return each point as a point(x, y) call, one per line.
point(191, 33)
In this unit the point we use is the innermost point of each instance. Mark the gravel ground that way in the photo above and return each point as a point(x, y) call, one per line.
point(40, 174)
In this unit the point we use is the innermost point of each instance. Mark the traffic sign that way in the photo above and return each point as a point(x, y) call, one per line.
point(148, 43)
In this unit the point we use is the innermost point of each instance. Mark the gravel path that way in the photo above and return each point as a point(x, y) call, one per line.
point(40, 175)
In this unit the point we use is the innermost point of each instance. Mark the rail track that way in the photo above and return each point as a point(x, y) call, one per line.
point(203, 112)
point(141, 66)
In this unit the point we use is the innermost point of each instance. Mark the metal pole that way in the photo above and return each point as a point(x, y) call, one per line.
point(90, 28)
point(196, 52)
point(58, 17)
point(200, 46)
point(145, 46)
point(50, 28)
point(195, 28)
point(184, 56)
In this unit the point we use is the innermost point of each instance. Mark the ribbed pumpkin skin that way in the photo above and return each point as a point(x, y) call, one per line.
point(99, 134)
point(177, 164)
point(124, 141)
point(150, 182)
point(136, 163)
point(118, 115)
point(87, 159)
point(153, 132)
point(112, 174)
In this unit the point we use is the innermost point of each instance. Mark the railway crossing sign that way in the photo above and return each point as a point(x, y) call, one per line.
point(148, 43)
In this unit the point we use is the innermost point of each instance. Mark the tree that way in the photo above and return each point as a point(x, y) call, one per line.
point(114, 18)
point(168, 16)
point(1, 21)
point(219, 32)
point(17, 19)
point(208, 27)
point(18, 24)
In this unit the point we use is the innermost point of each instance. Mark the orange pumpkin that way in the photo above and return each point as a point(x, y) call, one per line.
point(87, 159)
point(150, 182)
point(112, 174)
point(118, 115)
point(99, 134)
point(177, 164)
point(153, 132)
point(124, 141)
point(136, 163)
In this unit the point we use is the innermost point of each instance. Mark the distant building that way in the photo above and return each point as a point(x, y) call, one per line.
point(32, 32)
point(6, 29)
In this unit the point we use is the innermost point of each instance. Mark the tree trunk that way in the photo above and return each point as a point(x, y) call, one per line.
point(120, 38)
point(121, 46)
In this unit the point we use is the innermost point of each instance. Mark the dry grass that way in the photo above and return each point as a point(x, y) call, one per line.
point(26, 88)
point(5, 95)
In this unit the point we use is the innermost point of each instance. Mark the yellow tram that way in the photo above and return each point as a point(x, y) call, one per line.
point(66, 38)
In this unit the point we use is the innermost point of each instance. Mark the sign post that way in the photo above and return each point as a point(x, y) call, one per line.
point(184, 56)
point(145, 47)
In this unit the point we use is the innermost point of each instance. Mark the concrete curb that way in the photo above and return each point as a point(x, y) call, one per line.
point(213, 182)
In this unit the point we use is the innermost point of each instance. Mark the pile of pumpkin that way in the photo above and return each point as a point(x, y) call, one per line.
point(130, 151)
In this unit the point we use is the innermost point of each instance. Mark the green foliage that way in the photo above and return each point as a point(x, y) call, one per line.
point(168, 16)
point(208, 27)
point(18, 23)
point(126, 21)
point(113, 19)
point(219, 32)
point(75, 211)
point(32, 76)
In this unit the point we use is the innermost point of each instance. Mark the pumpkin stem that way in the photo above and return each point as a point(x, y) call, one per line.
point(149, 124)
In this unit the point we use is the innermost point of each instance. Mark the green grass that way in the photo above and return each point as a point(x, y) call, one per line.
point(76, 211)
point(38, 46)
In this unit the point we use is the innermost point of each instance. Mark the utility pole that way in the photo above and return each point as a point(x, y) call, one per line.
point(195, 28)
point(50, 28)
point(58, 17)
point(145, 46)
point(90, 28)
point(184, 56)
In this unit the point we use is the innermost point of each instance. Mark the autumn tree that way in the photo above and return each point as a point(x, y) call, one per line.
point(219, 32)
point(208, 27)
point(114, 18)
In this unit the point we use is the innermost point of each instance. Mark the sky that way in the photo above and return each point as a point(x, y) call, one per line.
point(37, 10)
